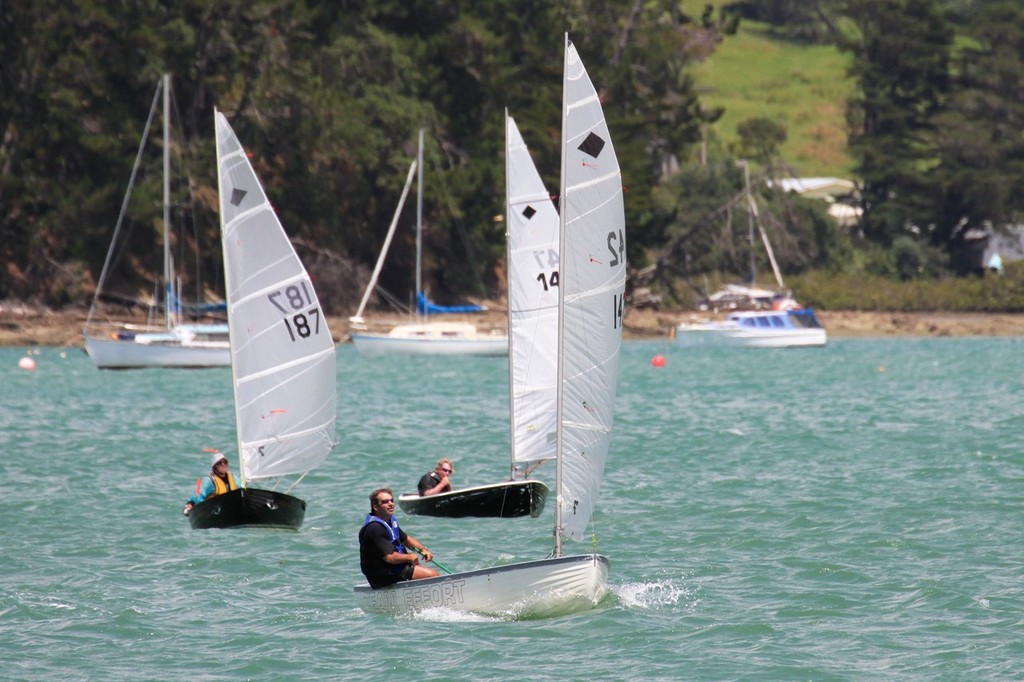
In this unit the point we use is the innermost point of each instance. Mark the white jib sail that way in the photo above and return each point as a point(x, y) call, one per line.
point(532, 225)
point(282, 354)
point(593, 281)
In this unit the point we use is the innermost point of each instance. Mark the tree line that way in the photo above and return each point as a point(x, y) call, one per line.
point(328, 98)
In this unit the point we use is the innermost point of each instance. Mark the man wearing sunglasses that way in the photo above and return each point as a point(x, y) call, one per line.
point(383, 557)
point(438, 480)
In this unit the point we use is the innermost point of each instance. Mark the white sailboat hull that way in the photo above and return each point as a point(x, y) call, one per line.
point(532, 589)
point(116, 343)
point(164, 349)
point(437, 338)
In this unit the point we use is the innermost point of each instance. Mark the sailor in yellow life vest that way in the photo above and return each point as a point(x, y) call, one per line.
point(218, 482)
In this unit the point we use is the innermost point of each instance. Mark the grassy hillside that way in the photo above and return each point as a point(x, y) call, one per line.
point(804, 88)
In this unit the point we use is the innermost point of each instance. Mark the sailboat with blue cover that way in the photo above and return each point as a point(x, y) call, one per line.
point(426, 335)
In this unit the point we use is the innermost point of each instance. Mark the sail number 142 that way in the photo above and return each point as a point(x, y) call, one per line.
point(300, 321)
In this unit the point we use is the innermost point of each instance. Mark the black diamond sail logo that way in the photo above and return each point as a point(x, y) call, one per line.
point(592, 145)
point(237, 195)
point(528, 212)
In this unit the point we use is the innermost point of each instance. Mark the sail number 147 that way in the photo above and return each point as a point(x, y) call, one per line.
point(298, 320)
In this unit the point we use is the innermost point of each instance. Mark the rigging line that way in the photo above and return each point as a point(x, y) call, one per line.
point(288, 490)
point(393, 300)
point(180, 137)
point(124, 203)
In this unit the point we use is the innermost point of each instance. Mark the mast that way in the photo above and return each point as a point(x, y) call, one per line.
point(168, 282)
point(233, 343)
point(559, 436)
point(124, 202)
point(419, 223)
point(767, 244)
point(750, 220)
point(752, 216)
point(358, 317)
point(508, 288)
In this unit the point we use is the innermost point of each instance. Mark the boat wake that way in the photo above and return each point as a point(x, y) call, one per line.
point(649, 595)
point(642, 595)
point(443, 614)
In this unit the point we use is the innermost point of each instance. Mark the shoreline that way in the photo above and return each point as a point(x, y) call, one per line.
point(27, 326)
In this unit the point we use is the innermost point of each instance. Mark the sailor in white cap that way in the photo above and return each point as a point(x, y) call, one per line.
point(218, 482)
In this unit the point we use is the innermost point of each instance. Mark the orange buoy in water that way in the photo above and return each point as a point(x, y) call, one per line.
point(658, 361)
point(27, 363)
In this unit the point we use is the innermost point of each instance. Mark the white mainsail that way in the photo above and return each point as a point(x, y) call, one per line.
point(282, 353)
point(592, 288)
point(532, 224)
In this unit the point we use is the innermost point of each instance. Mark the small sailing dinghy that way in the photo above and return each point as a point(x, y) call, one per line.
point(592, 280)
point(282, 354)
point(532, 244)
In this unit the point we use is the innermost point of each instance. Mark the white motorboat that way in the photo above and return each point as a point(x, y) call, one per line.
point(755, 329)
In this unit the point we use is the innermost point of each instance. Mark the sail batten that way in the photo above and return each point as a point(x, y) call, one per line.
point(307, 361)
point(240, 219)
point(590, 183)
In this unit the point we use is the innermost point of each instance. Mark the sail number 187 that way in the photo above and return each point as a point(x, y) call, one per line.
point(300, 321)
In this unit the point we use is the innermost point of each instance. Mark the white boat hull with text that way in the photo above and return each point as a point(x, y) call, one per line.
point(538, 589)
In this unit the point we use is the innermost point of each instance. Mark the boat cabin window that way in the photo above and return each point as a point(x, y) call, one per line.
point(805, 319)
point(777, 321)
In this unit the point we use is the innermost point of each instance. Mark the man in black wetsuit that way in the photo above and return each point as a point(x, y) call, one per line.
point(438, 480)
point(383, 558)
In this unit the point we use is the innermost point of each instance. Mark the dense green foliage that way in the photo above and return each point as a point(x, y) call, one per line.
point(845, 291)
point(903, 77)
point(935, 124)
point(328, 98)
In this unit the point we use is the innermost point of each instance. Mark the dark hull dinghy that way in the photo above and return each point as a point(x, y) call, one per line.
point(505, 500)
point(249, 507)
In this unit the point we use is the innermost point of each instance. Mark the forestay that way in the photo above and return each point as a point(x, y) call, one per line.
point(282, 354)
point(593, 269)
point(532, 303)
